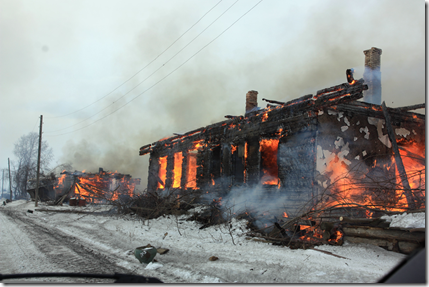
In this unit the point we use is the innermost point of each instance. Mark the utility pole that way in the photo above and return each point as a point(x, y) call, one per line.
point(10, 181)
point(36, 194)
point(2, 182)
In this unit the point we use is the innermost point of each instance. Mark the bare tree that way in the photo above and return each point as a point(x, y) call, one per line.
point(25, 167)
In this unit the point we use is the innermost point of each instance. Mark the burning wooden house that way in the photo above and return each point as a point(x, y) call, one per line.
point(325, 149)
point(93, 187)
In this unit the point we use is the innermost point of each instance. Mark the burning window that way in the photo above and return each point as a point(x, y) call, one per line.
point(238, 161)
point(269, 168)
point(177, 170)
point(215, 164)
point(191, 179)
point(191, 172)
point(162, 173)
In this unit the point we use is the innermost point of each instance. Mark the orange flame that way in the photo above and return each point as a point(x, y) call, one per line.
point(413, 158)
point(60, 181)
point(192, 171)
point(245, 162)
point(338, 236)
point(177, 170)
point(104, 185)
point(268, 149)
point(191, 181)
point(218, 201)
point(264, 116)
point(162, 173)
point(348, 187)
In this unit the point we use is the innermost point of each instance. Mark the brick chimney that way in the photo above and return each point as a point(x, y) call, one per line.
point(251, 100)
point(372, 76)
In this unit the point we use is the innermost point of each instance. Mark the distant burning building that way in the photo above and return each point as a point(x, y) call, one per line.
point(93, 187)
point(326, 148)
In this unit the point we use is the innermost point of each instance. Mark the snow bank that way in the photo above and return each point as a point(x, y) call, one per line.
point(410, 220)
point(23, 204)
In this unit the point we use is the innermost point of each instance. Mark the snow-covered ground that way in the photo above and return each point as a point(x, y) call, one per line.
point(111, 239)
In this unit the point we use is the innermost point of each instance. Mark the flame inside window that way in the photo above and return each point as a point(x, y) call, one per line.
point(268, 149)
point(191, 181)
point(162, 173)
point(177, 170)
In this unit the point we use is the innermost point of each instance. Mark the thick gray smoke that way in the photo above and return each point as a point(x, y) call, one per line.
point(214, 84)
point(266, 207)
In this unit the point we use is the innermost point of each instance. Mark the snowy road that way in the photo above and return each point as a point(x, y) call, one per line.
point(101, 243)
point(39, 248)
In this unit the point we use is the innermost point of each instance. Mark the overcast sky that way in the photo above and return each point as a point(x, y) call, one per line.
point(77, 63)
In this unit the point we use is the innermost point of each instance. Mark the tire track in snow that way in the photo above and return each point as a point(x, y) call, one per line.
point(64, 251)
point(169, 273)
point(72, 247)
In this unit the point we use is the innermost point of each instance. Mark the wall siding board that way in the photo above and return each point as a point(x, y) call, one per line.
point(296, 163)
point(153, 169)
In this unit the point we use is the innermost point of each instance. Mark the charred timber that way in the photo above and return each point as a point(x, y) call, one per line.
point(158, 179)
point(340, 87)
point(345, 89)
point(145, 146)
point(410, 108)
point(335, 96)
point(272, 106)
point(293, 116)
point(179, 137)
point(402, 174)
point(372, 110)
point(298, 100)
point(292, 102)
point(349, 74)
point(373, 222)
point(339, 98)
point(233, 117)
point(382, 233)
point(405, 247)
point(274, 102)
point(145, 149)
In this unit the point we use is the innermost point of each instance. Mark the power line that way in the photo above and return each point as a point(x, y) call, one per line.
point(35, 125)
point(168, 73)
point(143, 67)
point(141, 82)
